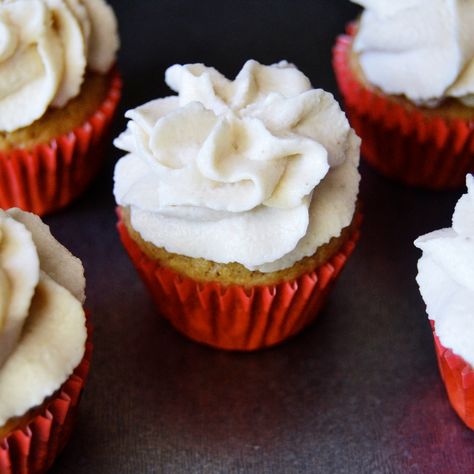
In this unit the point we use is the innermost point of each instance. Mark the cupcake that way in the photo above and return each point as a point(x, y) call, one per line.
point(446, 280)
point(58, 93)
point(44, 347)
point(237, 201)
point(406, 72)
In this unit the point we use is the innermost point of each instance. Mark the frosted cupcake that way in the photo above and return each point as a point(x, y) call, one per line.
point(238, 201)
point(44, 352)
point(58, 94)
point(446, 279)
point(406, 71)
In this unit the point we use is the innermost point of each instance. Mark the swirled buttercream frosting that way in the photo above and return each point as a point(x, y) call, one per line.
point(45, 48)
point(261, 170)
point(42, 323)
point(423, 49)
point(446, 277)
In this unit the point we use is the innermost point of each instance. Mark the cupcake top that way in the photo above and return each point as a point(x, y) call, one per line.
point(42, 323)
point(446, 277)
point(261, 170)
point(45, 48)
point(423, 49)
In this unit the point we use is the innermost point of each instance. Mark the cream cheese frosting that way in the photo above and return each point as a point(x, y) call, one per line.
point(45, 48)
point(42, 323)
point(261, 170)
point(423, 49)
point(446, 277)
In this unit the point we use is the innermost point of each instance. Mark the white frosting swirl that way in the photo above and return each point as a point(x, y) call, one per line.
point(446, 277)
point(261, 170)
point(42, 323)
point(423, 49)
point(45, 48)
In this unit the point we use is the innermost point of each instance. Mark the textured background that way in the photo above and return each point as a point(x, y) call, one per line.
point(357, 392)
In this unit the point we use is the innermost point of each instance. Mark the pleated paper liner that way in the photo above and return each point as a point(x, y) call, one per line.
point(33, 448)
point(402, 144)
point(234, 317)
point(458, 377)
point(49, 176)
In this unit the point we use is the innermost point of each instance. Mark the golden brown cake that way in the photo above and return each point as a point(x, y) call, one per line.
point(59, 121)
point(203, 270)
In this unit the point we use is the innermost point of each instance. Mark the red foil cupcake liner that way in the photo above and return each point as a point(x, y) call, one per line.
point(233, 317)
point(49, 176)
point(458, 377)
point(33, 448)
point(402, 144)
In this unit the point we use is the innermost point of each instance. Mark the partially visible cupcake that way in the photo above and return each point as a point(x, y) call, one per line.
point(446, 280)
point(406, 72)
point(44, 346)
point(59, 90)
point(238, 201)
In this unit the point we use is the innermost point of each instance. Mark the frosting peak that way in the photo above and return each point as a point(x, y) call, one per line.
point(241, 157)
point(45, 48)
point(196, 82)
point(446, 277)
point(423, 49)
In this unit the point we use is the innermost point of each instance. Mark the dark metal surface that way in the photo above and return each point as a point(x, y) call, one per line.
point(357, 392)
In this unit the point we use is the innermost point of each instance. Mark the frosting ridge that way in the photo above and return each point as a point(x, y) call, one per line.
point(423, 49)
point(45, 48)
point(446, 277)
point(226, 170)
point(42, 323)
